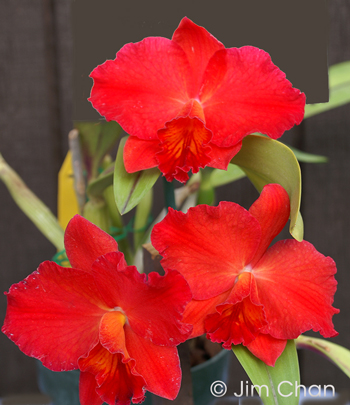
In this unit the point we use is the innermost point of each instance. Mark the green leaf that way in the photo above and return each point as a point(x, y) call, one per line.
point(221, 177)
point(206, 191)
point(142, 217)
point(339, 355)
point(279, 381)
point(104, 180)
point(32, 206)
point(339, 90)
point(97, 139)
point(305, 157)
point(265, 161)
point(129, 188)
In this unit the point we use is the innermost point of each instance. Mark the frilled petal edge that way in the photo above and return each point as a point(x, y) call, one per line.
point(154, 307)
point(272, 210)
point(260, 98)
point(54, 314)
point(159, 365)
point(85, 242)
point(144, 87)
point(296, 286)
point(208, 245)
point(117, 382)
point(267, 348)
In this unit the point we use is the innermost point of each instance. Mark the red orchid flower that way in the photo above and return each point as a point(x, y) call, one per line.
point(245, 292)
point(102, 317)
point(188, 102)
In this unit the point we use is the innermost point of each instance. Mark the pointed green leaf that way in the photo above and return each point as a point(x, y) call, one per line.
point(265, 161)
point(104, 180)
point(129, 188)
point(339, 355)
point(276, 383)
point(221, 177)
point(142, 218)
point(206, 191)
point(308, 157)
point(97, 139)
point(32, 206)
point(339, 90)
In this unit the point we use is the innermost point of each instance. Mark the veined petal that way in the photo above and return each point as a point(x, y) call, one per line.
point(54, 314)
point(208, 245)
point(267, 348)
point(87, 390)
point(116, 378)
point(272, 210)
point(296, 286)
point(196, 312)
point(85, 242)
point(184, 147)
point(153, 307)
point(140, 154)
point(239, 319)
point(199, 46)
point(144, 87)
point(244, 92)
point(159, 365)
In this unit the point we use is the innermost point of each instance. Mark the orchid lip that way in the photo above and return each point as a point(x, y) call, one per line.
point(246, 269)
point(118, 309)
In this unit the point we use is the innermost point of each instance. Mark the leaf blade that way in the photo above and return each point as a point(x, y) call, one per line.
point(339, 90)
point(339, 355)
point(276, 378)
point(130, 188)
point(265, 161)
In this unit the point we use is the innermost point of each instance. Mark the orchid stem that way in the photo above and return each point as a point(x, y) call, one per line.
point(32, 206)
point(77, 163)
point(169, 194)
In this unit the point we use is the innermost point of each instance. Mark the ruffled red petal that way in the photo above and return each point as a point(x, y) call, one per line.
point(239, 319)
point(159, 365)
point(267, 348)
point(296, 286)
point(196, 312)
point(208, 245)
point(221, 157)
point(244, 92)
point(142, 155)
point(87, 390)
point(85, 242)
point(272, 210)
point(54, 315)
point(153, 308)
point(117, 382)
point(184, 147)
point(144, 87)
point(199, 46)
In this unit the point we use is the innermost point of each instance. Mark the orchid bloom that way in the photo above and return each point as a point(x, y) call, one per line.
point(243, 291)
point(102, 317)
point(188, 102)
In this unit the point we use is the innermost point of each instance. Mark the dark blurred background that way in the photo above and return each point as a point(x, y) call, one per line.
point(37, 83)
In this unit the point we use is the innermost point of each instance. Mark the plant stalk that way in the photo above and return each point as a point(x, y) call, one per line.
point(32, 206)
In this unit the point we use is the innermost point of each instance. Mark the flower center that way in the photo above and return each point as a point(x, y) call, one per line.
point(184, 143)
point(246, 269)
point(192, 109)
